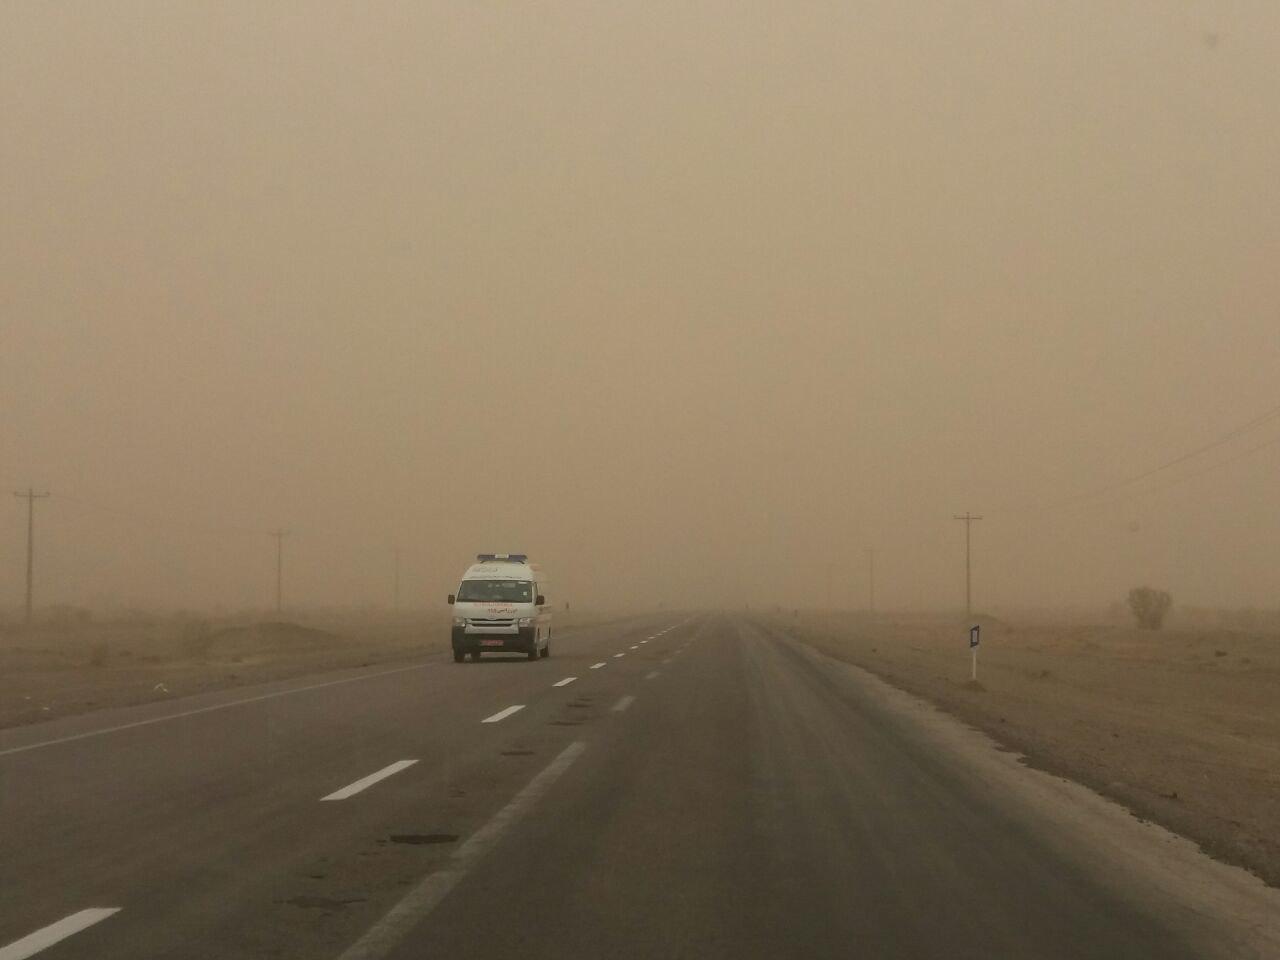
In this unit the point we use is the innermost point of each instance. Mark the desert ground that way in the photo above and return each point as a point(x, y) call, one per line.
point(71, 666)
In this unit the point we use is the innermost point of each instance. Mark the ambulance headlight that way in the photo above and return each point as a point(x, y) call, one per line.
point(526, 621)
point(459, 621)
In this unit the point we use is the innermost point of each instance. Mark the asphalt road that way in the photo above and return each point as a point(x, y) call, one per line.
point(703, 787)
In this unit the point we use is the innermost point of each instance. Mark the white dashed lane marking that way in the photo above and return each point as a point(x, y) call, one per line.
point(503, 714)
point(597, 666)
point(364, 783)
point(623, 703)
point(565, 682)
point(652, 675)
point(408, 914)
point(617, 655)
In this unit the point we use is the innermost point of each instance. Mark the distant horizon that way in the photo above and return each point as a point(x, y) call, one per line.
point(66, 613)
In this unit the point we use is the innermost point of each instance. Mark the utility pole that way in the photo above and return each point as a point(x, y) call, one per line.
point(871, 580)
point(395, 599)
point(279, 535)
point(31, 497)
point(968, 519)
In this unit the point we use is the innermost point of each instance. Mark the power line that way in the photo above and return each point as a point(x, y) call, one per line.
point(1258, 421)
point(1239, 431)
point(1175, 481)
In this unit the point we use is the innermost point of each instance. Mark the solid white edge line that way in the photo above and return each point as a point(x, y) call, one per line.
point(623, 703)
point(597, 666)
point(364, 783)
point(45, 937)
point(503, 714)
point(209, 709)
point(388, 932)
point(565, 682)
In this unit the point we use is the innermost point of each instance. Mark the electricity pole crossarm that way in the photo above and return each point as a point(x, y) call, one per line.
point(968, 519)
point(31, 497)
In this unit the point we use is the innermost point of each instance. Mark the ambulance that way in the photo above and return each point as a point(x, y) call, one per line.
point(500, 607)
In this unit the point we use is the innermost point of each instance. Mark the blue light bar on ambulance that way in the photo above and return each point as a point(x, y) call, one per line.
point(512, 557)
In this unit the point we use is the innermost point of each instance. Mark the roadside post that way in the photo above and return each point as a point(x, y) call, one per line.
point(974, 639)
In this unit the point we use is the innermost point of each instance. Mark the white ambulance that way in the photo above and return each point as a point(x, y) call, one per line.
point(500, 607)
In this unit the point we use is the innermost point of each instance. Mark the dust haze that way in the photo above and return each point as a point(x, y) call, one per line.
point(696, 303)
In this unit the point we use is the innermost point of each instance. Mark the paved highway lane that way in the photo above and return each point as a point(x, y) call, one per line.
point(753, 803)
point(207, 821)
point(661, 787)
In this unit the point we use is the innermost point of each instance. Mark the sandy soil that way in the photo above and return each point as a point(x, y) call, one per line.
point(1183, 727)
point(58, 670)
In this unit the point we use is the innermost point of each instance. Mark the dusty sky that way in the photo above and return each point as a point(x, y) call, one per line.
point(696, 302)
